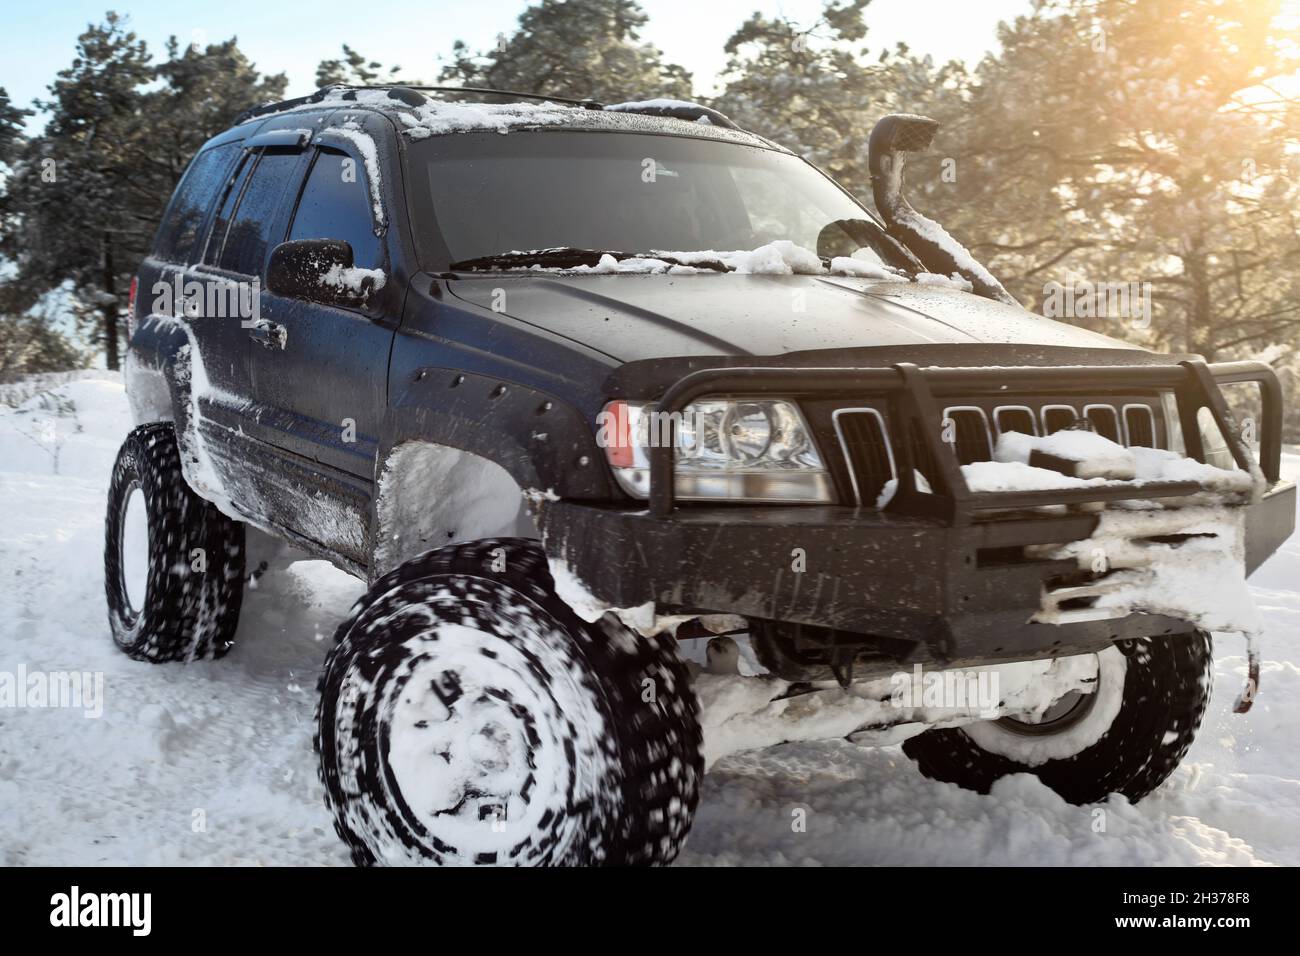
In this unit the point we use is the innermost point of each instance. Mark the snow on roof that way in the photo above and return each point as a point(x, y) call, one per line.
point(437, 117)
point(434, 117)
point(662, 103)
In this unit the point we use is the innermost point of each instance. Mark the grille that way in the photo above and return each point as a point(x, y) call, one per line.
point(1104, 421)
point(1139, 426)
point(1058, 417)
point(1016, 418)
point(862, 436)
point(969, 436)
point(866, 440)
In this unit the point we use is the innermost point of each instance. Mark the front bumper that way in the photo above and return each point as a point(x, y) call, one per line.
point(944, 575)
point(955, 593)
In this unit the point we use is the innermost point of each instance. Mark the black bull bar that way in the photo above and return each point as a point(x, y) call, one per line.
point(912, 391)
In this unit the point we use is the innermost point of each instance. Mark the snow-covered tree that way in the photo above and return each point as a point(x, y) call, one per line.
point(1141, 142)
point(353, 69)
point(87, 193)
point(579, 48)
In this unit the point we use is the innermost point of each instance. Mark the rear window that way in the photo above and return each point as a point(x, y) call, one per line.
point(194, 197)
point(249, 238)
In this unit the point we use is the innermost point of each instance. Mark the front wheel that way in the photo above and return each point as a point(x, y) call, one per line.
point(468, 716)
point(1126, 737)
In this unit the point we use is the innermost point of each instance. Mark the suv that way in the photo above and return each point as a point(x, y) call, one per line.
point(449, 346)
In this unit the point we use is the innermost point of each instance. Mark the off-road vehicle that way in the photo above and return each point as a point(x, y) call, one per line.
point(574, 386)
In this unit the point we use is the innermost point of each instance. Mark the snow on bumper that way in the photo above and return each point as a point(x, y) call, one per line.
point(960, 594)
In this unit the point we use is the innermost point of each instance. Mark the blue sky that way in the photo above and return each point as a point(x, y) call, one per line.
point(38, 38)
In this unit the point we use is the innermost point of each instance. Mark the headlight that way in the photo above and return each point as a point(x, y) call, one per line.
point(732, 449)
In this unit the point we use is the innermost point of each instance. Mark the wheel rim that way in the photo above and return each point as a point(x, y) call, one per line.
point(133, 550)
point(480, 750)
point(1068, 727)
point(1065, 713)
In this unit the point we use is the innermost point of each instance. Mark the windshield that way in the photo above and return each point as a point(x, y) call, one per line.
point(491, 194)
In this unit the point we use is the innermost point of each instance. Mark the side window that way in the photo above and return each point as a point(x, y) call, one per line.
point(248, 240)
point(194, 197)
point(217, 236)
point(335, 204)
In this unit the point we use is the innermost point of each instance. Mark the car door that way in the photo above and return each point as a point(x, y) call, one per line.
point(320, 382)
point(184, 293)
point(231, 268)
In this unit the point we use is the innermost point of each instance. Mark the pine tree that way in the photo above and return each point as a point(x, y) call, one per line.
point(1142, 142)
point(353, 69)
point(587, 49)
point(86, 195)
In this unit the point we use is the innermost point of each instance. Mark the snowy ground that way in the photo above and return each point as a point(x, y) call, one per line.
point(212, 763)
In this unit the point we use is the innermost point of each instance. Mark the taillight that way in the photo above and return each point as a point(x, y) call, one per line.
point(130, 305)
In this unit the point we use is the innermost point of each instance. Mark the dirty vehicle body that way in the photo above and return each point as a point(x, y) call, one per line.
point(405, 389)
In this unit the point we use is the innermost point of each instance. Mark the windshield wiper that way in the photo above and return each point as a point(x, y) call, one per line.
point(568, 257)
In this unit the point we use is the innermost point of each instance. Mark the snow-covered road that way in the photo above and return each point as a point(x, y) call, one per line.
point(212, 763)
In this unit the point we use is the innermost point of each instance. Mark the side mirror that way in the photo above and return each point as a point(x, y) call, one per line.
point(320, 270)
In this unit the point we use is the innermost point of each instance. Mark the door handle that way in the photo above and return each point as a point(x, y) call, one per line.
point(269, 335)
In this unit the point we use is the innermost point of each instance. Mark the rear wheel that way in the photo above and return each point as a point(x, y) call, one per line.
point(1126, 737)
point(468, 716)
point(173, 563)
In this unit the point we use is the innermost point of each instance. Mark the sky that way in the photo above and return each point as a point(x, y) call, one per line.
point(39, 38)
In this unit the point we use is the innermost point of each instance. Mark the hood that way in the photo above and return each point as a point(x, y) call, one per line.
point(637, 317)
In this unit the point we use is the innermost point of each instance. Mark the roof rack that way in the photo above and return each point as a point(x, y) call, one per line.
point(319, 96)
point(409, 94)
point(674, 109)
